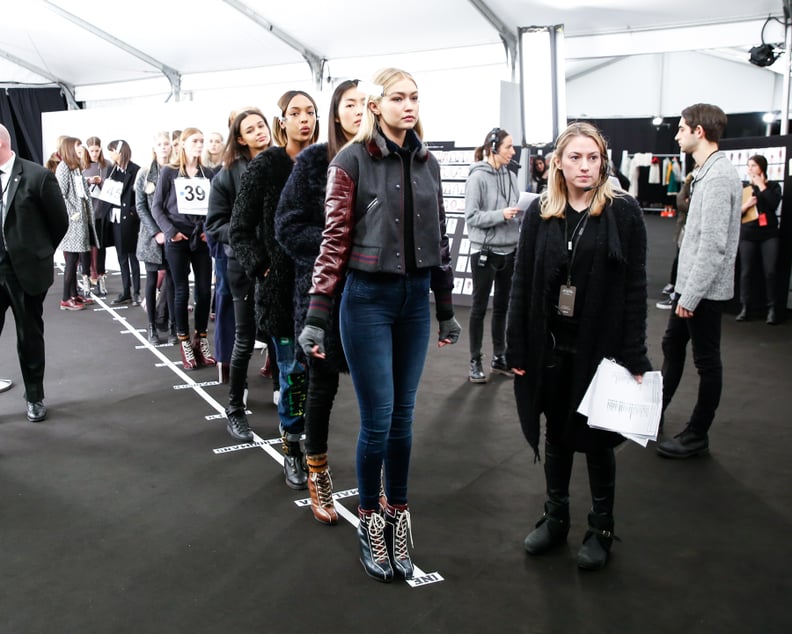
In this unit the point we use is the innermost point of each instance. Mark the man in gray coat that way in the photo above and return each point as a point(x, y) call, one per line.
point(33, 221)
point(705, 278)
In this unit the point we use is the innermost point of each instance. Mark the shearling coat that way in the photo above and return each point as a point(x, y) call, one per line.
point(252, 237)
point(612, 320)
point(81, 233)
point(299, 223)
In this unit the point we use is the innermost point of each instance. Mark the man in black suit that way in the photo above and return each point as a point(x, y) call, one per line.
point(33, 221)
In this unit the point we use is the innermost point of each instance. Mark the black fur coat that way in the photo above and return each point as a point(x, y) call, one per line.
point(252, 238)
point(612, 318)
point(299, 223)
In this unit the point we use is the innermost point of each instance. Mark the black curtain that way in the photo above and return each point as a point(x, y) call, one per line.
point(640, 135)
point(20, 112)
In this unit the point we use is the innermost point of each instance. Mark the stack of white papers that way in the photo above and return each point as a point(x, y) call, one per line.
point(526, 198)
point(615, 401)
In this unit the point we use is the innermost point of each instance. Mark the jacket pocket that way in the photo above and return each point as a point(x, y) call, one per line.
point(372, 205)
point(365, 258)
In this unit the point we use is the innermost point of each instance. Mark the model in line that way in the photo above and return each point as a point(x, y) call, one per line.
point(252, 236)
point(151, 240)
point(76, 244)
point(97, 167)
point(386, 245)
point(248, 136)
point(124, 221)
point(299, 223)
point(179, 208)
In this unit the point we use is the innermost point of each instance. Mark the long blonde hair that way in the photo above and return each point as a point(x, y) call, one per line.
point(385, 78)
point(554, 199)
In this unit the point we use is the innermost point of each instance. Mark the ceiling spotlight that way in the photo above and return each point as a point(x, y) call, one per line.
point(768, 117)
point(763, 55)
point(658, 120)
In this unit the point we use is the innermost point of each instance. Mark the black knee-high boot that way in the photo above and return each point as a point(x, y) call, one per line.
point(553, 527)
point(595, 550)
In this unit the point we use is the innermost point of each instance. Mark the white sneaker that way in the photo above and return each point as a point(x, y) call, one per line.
point(276, 397)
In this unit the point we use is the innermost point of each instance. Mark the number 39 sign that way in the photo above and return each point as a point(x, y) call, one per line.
point(192, 195)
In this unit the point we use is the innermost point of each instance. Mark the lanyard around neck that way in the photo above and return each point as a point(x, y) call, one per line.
point(572, 243)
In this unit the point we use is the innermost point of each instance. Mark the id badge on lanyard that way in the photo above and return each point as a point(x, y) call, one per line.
point(192, 195)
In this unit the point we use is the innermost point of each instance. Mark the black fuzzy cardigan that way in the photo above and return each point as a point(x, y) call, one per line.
point(252, 238)
point(612, 318)
point(299, 223)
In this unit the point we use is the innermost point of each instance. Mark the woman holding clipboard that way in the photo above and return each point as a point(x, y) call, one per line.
point(180, 206)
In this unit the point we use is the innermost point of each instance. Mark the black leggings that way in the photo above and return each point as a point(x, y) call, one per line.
point(242, 291)
point(601, 465)
point(322, 389)
point(71, 259)
point(152, 271)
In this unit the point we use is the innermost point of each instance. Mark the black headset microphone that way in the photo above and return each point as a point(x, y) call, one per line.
point(493, 141)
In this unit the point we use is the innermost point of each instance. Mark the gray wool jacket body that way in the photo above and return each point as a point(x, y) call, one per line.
point(712, 234)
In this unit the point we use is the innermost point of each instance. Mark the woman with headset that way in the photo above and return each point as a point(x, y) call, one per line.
point(491, 215)
point(578, 296)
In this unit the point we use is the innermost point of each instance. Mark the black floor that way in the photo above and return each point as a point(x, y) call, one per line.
point(126, 511)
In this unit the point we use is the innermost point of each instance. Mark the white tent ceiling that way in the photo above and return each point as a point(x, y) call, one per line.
point(87, 46)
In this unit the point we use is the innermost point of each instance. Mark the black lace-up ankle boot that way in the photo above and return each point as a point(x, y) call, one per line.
point(398, 529)
point(373, 550)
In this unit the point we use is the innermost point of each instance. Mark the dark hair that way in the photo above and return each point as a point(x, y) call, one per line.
point(283, 103)
point(234, 150)
point(534, 170)
point(711, 119)
point(122, 147)
point(761, 161)
point(491, 143)
point(336, 137)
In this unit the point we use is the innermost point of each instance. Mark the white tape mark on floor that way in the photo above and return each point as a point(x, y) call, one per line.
point(420, 577)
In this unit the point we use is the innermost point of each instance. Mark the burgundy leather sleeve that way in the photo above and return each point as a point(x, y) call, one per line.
point(337, 236)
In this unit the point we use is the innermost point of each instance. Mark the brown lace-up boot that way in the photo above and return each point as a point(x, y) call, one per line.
point(320, 487)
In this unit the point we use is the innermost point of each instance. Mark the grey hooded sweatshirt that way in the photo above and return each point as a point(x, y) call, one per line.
point(487, 193)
